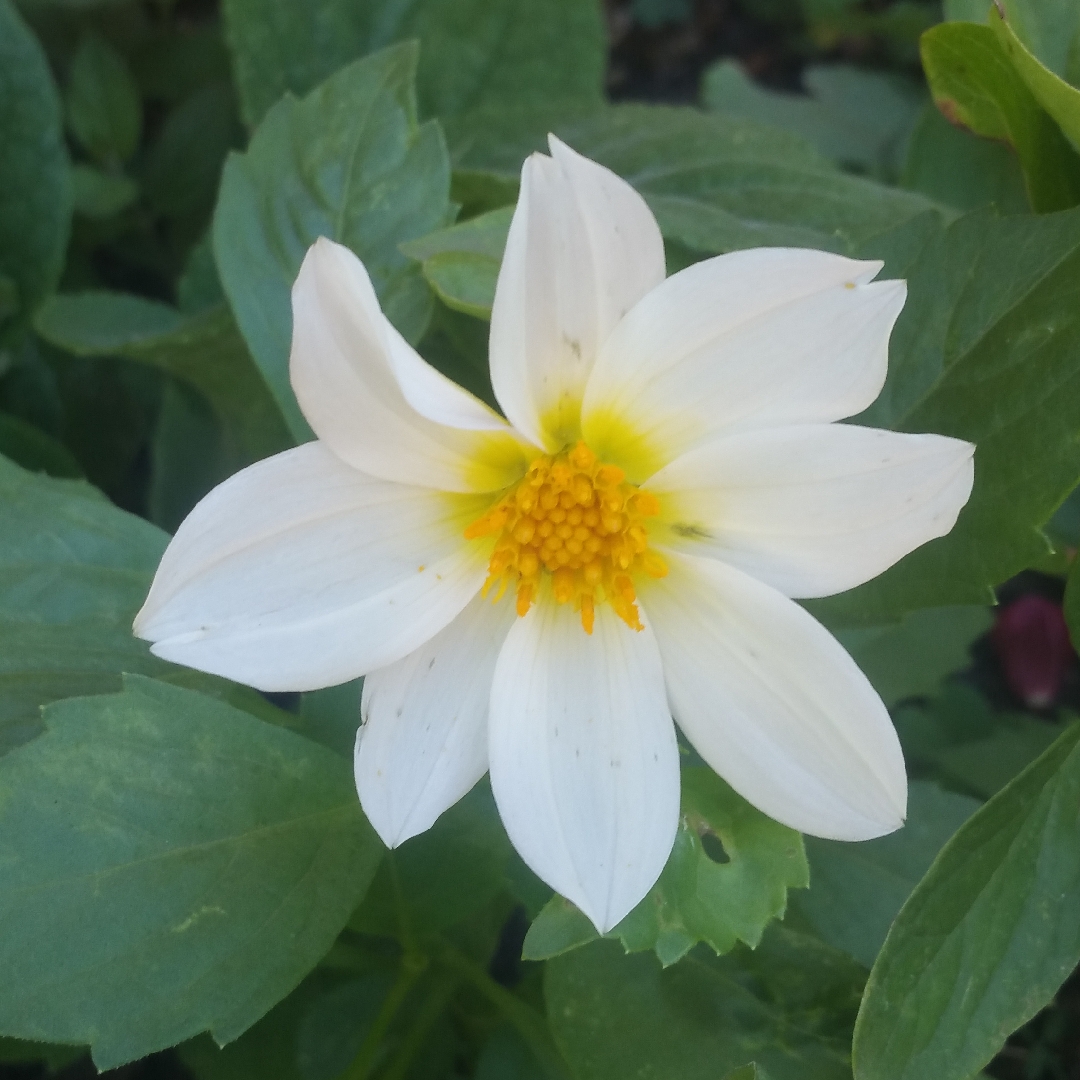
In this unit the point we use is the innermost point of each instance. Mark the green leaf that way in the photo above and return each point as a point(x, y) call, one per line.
point(958, 168)
point(444, 875)
point(975, 84)
point(859, 119)
point(724, 184)
point(788, 1006)
point(205, 351)
point(104, 110)
point(183, 167)
point(188, 456)
point(856, 890)
point(1049, 28)
point(461, 263)
point(474, 53)
point(1056, 96)
point(172, 865)
point(959, 740)
point(348, 162)
point(987, 349)
point(101, 195)
point(1072, 603)
point(911, 658)
point(31, 448)
point(987, 937)
point(715, 184)
point(35, 185)
point(54, 1058)
point(73, 571)
point(726, 878)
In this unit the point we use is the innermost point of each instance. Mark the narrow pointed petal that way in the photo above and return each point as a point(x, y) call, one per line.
point(424, 740)
point(750, 339)
point(584, 762)
point(774, 704)
point(813, 510)
point(582, 249)
point(375, 403)
point(300, 572)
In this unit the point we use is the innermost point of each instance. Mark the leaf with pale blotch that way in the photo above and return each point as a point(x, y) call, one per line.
point(171, 865)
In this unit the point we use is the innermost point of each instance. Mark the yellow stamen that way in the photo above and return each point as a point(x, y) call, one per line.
point(575, 521)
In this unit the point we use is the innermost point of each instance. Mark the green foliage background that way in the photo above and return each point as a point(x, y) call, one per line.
point(183, 863)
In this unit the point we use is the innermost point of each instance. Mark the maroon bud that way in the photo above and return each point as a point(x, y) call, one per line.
point(1032, 643)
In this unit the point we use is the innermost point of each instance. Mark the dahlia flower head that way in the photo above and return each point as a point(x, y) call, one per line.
point(546, 593)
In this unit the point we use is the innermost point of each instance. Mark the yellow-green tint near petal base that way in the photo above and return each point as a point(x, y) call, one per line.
point(498, 461)
point(614, 440)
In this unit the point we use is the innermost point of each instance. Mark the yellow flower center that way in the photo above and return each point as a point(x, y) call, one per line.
point(577, 520)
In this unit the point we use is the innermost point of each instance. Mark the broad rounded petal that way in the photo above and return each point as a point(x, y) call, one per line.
point(813, 510)
point(300, 572)
point(377, 404)
point(774, 704)
point(584, 762)
point(755, 338)
point(424, 739)
point(582, 249)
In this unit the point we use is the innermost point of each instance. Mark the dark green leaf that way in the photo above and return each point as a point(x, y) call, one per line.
point(188, 456)
point(54, 1058)
point(203, 350)
point(104, 110)
point(442, 876)
point(987, 937)
point(860, 119)
point(183, 168)
point(987, 349)
point(1072, 603)
point(856, 890)
point(975, 84)
point(474, 53)
point(953, 166)
point(727, 877)
point(35, 185)
point(100, 195)
point(31, 448)
point(714, 183)
point(348, 162)
point(173, 865)
point(789, 1006)
point(911, 658)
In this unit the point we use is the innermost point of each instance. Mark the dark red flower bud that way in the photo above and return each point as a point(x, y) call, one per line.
point(1032, 643)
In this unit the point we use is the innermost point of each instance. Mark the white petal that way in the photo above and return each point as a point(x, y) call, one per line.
point(582, 249)
point(374, 402)
point(751, 339)
point(584, 762)
point(813, 510)
point(300, 572)
point(424, 740)
point(773, 703)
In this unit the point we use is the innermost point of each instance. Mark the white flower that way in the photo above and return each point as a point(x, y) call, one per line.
point(538, 598)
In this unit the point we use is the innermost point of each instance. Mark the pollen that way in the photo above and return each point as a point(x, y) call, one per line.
point(572, 524)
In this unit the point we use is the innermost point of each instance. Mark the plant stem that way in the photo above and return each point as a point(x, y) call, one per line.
point(530, 1024)
point(430, 1011)
point(413, 966)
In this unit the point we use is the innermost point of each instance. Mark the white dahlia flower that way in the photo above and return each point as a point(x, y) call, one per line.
point(545, 596)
